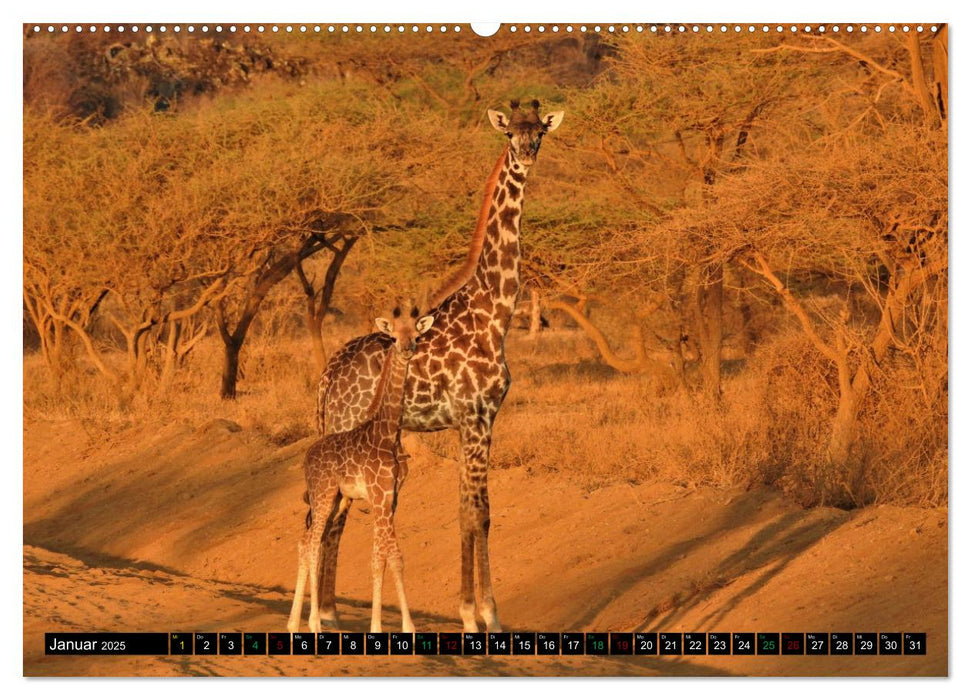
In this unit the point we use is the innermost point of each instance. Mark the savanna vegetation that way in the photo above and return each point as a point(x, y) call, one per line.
point(736, 245)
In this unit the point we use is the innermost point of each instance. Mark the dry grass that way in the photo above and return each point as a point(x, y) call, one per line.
point(569, 414)
point(604, 427)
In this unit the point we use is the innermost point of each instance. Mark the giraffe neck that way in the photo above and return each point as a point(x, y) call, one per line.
point(463, 275)
point(387, 419)
point(497, 271)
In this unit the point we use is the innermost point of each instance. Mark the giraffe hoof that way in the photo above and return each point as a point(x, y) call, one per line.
point(467, 613)
point(330, 623)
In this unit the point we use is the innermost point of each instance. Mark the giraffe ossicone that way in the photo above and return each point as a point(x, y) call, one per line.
point(365, 463)
point(458, 377)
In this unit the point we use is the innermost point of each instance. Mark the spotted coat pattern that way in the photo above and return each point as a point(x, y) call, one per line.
point(361, 463)
point(458, 377)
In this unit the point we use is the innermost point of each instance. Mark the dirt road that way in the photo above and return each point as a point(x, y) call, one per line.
point(195, 529)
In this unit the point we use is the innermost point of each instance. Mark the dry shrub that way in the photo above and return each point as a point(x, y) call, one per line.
point(602, 428)
point(771, 426)
point(79, 393)
point(905, 435)
point(567, 414)
point(791, 388)
point(278, 402)
point(789, 391)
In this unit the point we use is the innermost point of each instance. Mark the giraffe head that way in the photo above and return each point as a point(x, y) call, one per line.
point(525, 130)
point(405, 328)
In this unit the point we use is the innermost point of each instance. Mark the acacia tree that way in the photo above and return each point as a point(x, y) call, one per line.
point(893, 191)
point(107, 237)
point(318, 299)
point(883, 179)
point(713, 119)
point(278, 262)
point(862, 210)
point(889, 194)
point(49, 299)
point(153, 220)
point(321, 173)
point(849, 194)
point(670, 118)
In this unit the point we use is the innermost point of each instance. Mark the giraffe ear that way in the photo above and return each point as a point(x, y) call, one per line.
point(552, 120)
point(384, 325)
point(424, 323)
point(499, 120)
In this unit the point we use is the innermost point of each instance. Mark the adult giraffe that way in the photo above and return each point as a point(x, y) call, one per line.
point(458, 376)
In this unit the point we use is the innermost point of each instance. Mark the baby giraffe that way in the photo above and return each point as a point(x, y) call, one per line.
point(362, 463)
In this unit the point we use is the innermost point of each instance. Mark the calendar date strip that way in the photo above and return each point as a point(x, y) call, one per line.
point(486, 644)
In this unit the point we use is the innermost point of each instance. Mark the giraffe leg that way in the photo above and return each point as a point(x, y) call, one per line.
point(487, 602)
point(328, 580)
point(467, 606)
point(379, 555)
point(401, 459)
point(397, 565)
point(314, 566)
point(474, 518)
point(318, 528)
point(303, 548)
point(395, 561)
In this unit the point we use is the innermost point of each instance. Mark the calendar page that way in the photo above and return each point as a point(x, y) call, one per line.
point(565, 349)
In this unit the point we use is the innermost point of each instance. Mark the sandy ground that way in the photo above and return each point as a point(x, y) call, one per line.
point(195, 529)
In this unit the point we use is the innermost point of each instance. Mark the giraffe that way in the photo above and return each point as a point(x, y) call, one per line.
point(361, 463)
point(458, 377)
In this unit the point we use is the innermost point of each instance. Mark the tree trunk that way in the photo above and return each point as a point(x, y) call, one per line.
point(711, 356)
point(940, 75)
point(316, 312)
point(46, 333)
point(57, 348)
point(250, 306)
point(262, 281)
point(315, 327)
point(677, 364)
point(170, 349)
point(50, 333)
point(749, 334)
point(707, 304)
point(855, 389)
point(230, 368)
point(919, 81)
point(845, 428)
point(534, 315)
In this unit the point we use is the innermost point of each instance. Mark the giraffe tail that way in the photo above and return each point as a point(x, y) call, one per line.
point(310, 511)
